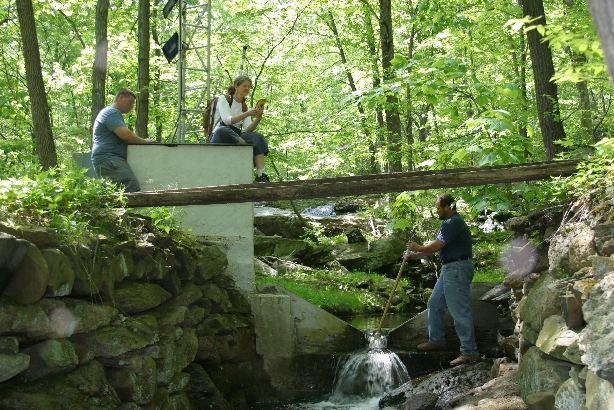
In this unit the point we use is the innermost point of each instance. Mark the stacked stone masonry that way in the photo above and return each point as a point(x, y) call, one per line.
point(565, 317)
point(139, 324)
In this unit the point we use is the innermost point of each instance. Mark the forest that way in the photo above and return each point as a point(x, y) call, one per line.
point(353, 87)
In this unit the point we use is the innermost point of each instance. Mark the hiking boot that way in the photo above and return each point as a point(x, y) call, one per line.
point(429, 346)
point(262, 178)
point(465, 358)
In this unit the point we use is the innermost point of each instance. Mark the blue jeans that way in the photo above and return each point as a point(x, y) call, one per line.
point(452, 291)
point(226, 135)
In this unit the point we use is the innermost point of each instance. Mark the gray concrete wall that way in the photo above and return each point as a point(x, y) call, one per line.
point(159, 167)
point(299, 342)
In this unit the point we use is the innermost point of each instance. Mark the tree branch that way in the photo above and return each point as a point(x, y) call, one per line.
point(72, 24)
point(266, 58)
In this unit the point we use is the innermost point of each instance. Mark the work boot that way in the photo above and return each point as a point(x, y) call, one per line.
point(262, 178)
point(465, 358)
point(430, 346)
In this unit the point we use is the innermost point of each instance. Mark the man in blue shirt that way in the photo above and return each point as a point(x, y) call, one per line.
point(111, 137)
point(452, 290)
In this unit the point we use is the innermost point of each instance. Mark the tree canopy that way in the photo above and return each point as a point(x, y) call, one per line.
point(460, 80)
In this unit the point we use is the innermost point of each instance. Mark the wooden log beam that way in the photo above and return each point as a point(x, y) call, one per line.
point(353, 186)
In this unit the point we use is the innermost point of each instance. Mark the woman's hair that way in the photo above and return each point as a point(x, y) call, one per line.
point(237, 82)
point(446, 200)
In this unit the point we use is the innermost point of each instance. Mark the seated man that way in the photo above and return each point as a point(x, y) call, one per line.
point(234, 123)
point(110, 142)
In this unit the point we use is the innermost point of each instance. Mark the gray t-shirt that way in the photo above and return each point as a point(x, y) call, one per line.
point(105, 143)
point(456, 235)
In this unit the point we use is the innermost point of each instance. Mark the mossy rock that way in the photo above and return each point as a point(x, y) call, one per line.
point(139, 297)
point(29, 281)
point(111, 341)
point(86, 387)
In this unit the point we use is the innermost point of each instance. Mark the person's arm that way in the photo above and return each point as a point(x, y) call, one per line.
point(253, 122)
point(224, 109)
point(424, 250)
point(128, 136)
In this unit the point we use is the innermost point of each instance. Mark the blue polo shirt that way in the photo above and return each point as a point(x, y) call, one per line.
point(105, 143)
point(456, 236)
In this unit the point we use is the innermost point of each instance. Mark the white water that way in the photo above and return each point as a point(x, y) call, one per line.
point(364, 377)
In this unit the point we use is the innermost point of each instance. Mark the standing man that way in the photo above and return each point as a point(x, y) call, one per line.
point(110, 142)
point(453, 285)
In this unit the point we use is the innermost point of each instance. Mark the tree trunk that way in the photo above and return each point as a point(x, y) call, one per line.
point(99, 70)
point(158, 73)
point(43, 135)
point(142, 100)
point(377, 82)
point(603, 15)
point(545, 90)
point(393, 121)
point(352, 84)
point(409, 122)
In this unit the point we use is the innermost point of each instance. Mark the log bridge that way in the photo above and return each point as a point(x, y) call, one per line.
point(353, 185)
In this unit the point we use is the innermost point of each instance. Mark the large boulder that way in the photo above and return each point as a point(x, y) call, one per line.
point(138, 297)
point(599, 392)
point(279, 247)
point(571, 248)
point(50, 357)
point(597, 338)
point(134, 381)
point(86, 387)
point(29, 280)
point(556, 340)
point(22, 319)
point(12, 364)
point(212, 261)
point(538, 372)
point(61, 274)
point(111, 341)
point(604, 238)
point(570, 395)
point(542, 301)
point(272, 221)
point(440, 389)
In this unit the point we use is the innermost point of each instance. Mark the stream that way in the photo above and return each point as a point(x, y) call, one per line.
point(363, 378)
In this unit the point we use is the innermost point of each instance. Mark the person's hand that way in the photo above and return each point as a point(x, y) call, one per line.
point(410, 255)
point(413, 246)
point(253, 112)
point(241, 141)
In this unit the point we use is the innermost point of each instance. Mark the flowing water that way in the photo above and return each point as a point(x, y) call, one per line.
point(363, 377)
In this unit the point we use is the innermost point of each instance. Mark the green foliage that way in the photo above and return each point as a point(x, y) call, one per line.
point(164, 219)
point(333, 291)
point(594, 176)
point(62, 199)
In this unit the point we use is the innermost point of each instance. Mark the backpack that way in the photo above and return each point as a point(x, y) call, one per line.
point(209, 114)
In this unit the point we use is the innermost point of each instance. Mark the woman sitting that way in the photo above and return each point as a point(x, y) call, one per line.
point(234, 123)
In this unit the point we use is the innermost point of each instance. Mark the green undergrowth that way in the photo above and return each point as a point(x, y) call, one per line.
point(78, 208)
point(487, 251)
point(332, 291)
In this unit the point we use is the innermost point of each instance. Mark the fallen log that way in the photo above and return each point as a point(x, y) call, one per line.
point(353, 185)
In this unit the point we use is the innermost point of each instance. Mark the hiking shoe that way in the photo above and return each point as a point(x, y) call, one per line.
point(429, 346)
point(262, 178)
point(465, 358)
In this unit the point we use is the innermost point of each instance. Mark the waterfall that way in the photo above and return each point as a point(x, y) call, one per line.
point(364, 376)
point(369, 372)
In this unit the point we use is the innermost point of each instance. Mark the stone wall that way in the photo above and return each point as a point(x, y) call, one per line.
point(148, 323)
point(565, 317)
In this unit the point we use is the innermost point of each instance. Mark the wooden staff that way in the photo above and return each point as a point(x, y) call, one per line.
point(396, 284)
